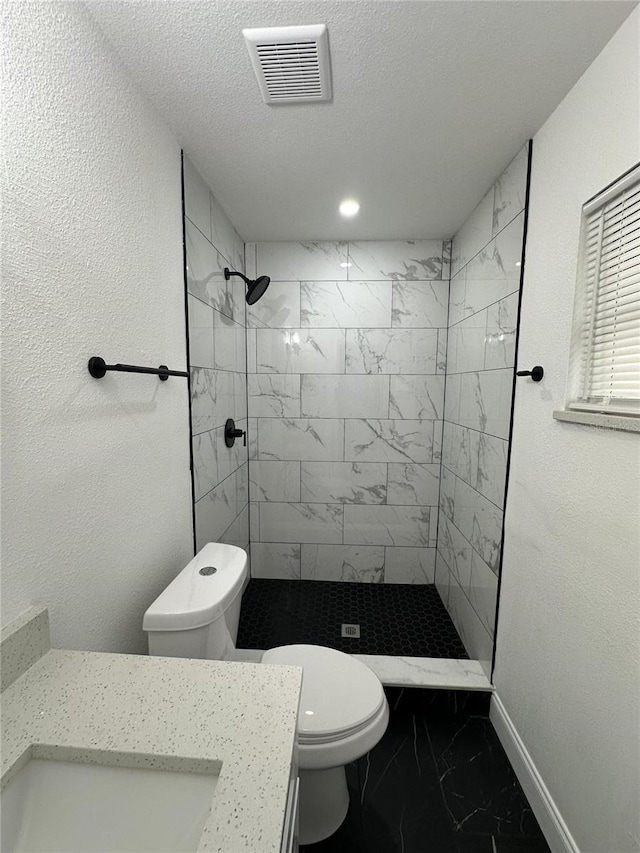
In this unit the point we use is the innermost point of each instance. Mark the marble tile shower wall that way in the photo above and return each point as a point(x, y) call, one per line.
point(483, 313)
point(217, 356)
point(346, 364)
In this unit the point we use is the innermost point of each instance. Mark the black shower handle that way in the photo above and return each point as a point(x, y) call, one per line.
point(231, 433)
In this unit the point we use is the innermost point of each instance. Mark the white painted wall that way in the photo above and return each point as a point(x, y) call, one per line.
point(95, 489)
point(568, 664)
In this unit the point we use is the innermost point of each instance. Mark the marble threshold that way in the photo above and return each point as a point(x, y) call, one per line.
point(399, 671)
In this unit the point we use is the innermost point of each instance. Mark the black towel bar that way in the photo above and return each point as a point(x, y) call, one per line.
point(97, 368)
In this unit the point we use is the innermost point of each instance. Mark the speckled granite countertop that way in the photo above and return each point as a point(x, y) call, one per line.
point(167, 712)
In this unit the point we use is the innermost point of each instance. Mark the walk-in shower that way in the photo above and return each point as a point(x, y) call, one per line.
point(374, 381)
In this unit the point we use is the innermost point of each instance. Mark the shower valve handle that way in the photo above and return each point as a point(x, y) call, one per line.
point(231, 433)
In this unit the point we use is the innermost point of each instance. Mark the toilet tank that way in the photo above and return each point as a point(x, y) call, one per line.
point(197, 615)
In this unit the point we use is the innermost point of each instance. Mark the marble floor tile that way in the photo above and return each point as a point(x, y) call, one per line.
point(391, 351)
point(300, 350)
point(319, 261)
point(359, 563)
point(416, 397)
point(399, 260)
point(388, 441)
point(480, 788)
point(279, 308)
point(411, 484)
point(420, 304)
point(274, 395)
point(346, 396)
point(343, 305)
point(344, 482)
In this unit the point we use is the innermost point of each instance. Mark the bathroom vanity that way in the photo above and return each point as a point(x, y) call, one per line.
point(215, 733)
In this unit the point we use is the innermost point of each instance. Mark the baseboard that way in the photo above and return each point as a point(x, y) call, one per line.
point(547, 814)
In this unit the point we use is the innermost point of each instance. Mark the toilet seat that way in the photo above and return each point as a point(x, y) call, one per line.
point(343, 709)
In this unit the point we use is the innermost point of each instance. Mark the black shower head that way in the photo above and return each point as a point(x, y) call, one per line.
point(255, 289)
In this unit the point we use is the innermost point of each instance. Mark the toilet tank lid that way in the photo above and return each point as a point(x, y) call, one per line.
point(196, 598)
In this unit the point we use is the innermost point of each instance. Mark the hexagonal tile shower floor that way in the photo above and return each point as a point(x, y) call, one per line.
point(394, 619)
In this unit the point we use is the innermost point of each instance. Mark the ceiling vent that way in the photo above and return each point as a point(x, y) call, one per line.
point(291, 63)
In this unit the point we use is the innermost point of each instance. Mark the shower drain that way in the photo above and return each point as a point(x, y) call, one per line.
point(347, 630)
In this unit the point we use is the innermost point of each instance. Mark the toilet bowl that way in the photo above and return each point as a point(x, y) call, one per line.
point(343, 714)
point(343, 709)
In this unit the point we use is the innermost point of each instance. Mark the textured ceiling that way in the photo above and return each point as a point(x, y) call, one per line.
point(431, 101)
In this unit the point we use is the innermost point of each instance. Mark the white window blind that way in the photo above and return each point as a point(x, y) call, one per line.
point(605, 346)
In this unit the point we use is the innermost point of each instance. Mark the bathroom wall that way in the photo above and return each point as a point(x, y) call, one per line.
point(346, 361)
point(217, 363)
point(567, 665)
point(95, 473)
point(483, 310)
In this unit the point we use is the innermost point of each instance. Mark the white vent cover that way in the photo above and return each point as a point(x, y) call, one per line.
point(291, 63)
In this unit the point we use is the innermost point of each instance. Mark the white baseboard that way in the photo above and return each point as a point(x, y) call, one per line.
point(544, 808)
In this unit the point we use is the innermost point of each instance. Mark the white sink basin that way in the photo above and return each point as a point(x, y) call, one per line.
point(69, 806)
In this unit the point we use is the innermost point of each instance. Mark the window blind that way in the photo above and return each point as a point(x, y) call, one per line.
point(605, 347)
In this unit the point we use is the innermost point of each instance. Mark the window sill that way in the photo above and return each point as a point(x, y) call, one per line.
point(628, 423)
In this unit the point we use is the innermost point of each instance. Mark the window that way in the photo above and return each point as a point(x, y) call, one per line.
point(604, 370)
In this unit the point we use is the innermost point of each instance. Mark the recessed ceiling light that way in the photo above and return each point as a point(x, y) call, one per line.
point(349, 207)
point(345, 265)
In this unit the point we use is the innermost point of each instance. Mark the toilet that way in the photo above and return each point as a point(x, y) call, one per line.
point(343, 709)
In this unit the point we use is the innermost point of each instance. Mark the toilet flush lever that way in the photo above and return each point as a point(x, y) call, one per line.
point(231, 433)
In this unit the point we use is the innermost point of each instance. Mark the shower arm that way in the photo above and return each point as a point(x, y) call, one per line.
point(228, 273)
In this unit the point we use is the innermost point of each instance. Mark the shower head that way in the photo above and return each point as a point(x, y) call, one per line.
point(255, 289)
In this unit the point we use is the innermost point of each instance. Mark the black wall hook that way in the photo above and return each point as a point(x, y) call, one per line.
point(536, 373)
point(97, 367)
